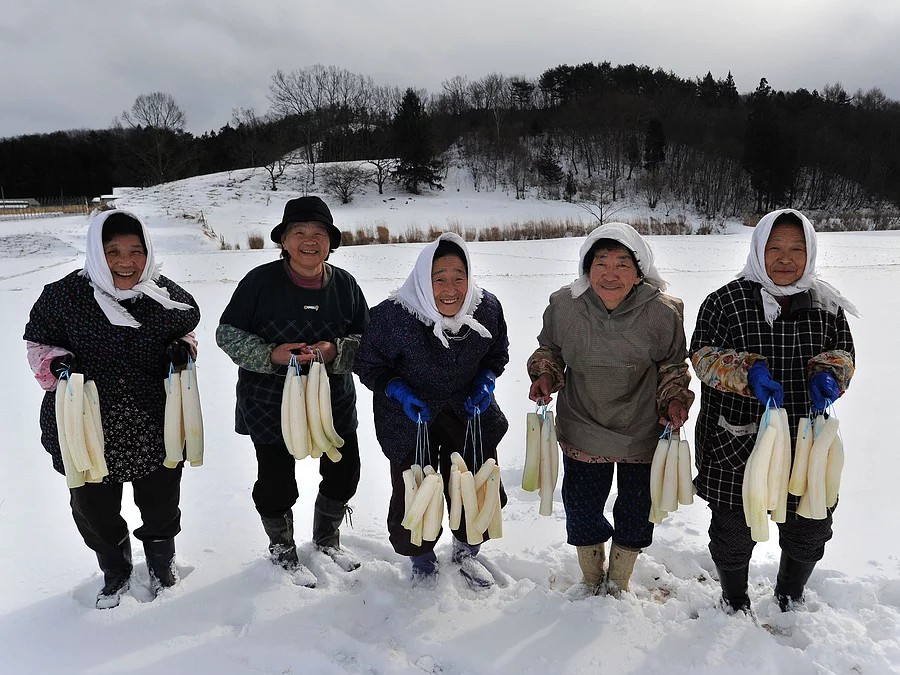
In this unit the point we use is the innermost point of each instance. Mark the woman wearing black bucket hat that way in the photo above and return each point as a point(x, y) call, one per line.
point(298, 306)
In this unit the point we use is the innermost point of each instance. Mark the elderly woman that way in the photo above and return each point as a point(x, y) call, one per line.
point(613, 346)
point(119, 322)
point(431, 356)
point(298, 306)
point(776, 335)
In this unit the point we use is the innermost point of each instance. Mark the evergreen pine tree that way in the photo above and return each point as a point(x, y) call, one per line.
point(413, 139)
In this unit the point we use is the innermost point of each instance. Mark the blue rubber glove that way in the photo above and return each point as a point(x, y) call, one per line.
point(413, 406)
point(482, 388)
point(763, 386)
point(823, 390)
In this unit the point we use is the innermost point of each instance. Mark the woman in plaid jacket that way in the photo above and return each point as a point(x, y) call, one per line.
point(776, 335)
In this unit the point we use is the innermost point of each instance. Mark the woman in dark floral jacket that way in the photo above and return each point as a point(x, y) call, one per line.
point(120, 323)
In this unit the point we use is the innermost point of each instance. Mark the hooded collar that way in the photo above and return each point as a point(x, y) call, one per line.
point(416, 295)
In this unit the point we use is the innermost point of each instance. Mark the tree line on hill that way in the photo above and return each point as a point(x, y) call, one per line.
point(593, 132)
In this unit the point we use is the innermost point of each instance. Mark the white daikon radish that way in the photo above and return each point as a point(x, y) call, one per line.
point(669, 498)
point(297, 420)
point(457, 460)
point(779, 514)
point(93, 440)
point(773, 478)
point(325, 408)
point(418, 473)
point(532, 452)
point(173, 426)
point(554, 449)
point(685, 481)
point(428, 470)
point(491, 501)
point(818, 461)
point(495, 527)
point(657, 473)
point(470, 507)
point(74, 477)
point(75, 421)
point(313, 414)
point(803, 506)
point(833, 468)
point(455, 498)
point(434, 513)
point(756, 475)
point(545, 475)
point(286, 393)
point(797, 484)
point(422, 499)
point(193, 416)
point(484, 472)
point(409, 490)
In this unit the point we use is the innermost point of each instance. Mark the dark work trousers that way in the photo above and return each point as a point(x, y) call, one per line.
point(585, 489)
point(97, 509)
point(731, 546)
point(275, 491)
point(446, 435)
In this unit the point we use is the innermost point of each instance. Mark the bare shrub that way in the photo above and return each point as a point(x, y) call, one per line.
point(382, 234)
point(255, 240)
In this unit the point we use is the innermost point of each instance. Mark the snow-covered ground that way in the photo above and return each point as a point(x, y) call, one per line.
point(233, 612)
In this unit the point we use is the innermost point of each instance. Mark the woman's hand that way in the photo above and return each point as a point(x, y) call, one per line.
point(541, 390)
point(304, 352)
point(678, 415)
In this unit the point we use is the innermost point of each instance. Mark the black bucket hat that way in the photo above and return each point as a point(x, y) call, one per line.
point(303, 210)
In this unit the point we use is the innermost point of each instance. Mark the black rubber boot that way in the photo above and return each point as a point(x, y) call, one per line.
point(327, 519)
point(792, 578)
point(734, 589)
point(115, 564)
point(281, 540)
point(161, 563)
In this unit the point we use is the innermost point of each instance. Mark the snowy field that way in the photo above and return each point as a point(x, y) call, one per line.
point(233, 612)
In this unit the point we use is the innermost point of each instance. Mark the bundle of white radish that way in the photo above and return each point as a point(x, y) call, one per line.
point(670, 477)
point(307, 425)
point(424, 503)
point(475, 497)
point(766, 474)
point(821, 464)
point(183, 424)
point(80, 431)
point(541, 458)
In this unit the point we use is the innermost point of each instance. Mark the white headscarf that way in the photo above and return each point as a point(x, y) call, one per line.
point(416, 295)
point(824, 294)
point(627, 236)
point(98, 273)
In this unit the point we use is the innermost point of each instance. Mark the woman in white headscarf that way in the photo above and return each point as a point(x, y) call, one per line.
point(123, 325)
point(613, 346)
point(777, 335)
point(431, 354)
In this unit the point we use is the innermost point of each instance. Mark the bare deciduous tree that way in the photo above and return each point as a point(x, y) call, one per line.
point(344, 181)
point(152, 132)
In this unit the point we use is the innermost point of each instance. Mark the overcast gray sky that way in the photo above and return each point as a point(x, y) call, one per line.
point(69, 64)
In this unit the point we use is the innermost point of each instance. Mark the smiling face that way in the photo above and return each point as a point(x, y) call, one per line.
point(450, 283)
point(785, 254)
point(613, 274)
point(308, 245)
point(126, 257)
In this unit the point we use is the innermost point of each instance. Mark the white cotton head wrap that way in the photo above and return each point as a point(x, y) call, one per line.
point(626, 235)
point(98, 273)
point(417, 296)
point(824, 294)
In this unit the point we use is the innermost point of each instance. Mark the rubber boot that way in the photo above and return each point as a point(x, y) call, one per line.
point(792, 578)
point(115, 563)
point(160, 555)
point(283, 550)
point(734, 589)
point(424, 568)
point(592, 560)
point(621, 566)
point(327, 518)
point(476, 575)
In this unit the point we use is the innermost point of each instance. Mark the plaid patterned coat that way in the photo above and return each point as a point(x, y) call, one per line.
point(731, 334)
point(268, 309)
